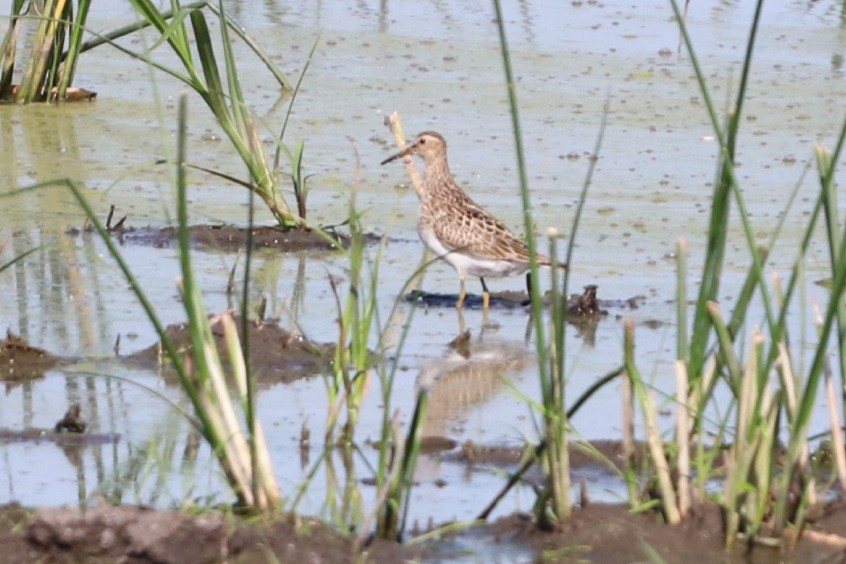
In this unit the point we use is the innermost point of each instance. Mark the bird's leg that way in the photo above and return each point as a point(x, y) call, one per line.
point(462, 292)
point(486, 295)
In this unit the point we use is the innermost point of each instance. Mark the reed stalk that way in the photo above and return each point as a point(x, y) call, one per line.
point(222, 95)
point(51, 64)
point(554, 504)
point(242, 453)
point(653, 433)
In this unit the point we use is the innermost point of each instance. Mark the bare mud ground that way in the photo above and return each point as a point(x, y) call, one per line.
point(134, 534)
point(276, 355)
point(224, 237)
point(597, 533)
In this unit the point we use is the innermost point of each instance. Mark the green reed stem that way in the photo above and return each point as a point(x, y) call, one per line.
point(71, 56)
point(9, 50)
point(552, 388)
point(525, 197)
point(227, 104)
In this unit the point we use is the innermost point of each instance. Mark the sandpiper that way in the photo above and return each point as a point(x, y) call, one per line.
point(457, 229)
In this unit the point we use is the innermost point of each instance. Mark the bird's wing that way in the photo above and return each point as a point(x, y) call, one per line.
point(467, 227)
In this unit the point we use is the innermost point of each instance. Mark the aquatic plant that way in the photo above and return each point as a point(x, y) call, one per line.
point(299, 180)
point(396, 473)
point(554, 499)
point(225, 100)
point(769, 483)
point(240, 450)
point(554, 503)
point(51, 63)
point(366, 350)
point(351, 367)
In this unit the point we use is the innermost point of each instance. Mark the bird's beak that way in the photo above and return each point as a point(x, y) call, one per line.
point(404, 153)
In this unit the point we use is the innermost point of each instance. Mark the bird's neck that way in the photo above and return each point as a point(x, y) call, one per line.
point(438, 176)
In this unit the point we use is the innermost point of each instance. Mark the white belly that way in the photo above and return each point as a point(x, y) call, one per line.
point(473, 265)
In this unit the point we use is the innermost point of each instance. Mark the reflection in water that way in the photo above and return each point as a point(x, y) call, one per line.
point(305, 444)
point(348, 510)
point(57, 282)
point(271, 267)
point(58, 294)
point(467, 378)
point(192, 446)
point(137, 448)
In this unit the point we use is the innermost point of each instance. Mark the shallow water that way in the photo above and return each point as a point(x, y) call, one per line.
point(651, 186)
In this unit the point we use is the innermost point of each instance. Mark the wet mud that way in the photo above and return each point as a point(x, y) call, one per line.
point(135, 534)
point(276, 355)
point(596, 533)
point(20, 361)
point(229, 238)
point(612, 533)
point(232, 238)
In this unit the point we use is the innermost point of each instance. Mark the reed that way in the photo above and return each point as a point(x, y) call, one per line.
point(222, 94)
point(354, 369)
point(365, 355)
point(554, 500)
point(229, 425)
point(554, 503)
point(356, 316)
point(768, 484)
point(50, 65)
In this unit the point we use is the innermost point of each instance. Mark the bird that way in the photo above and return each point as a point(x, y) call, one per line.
point(457, 229)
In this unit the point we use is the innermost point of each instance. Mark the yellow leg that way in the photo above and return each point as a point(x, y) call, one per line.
point(462, 293)
point(486, 296)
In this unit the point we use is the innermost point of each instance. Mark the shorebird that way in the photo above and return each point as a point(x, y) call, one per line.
point(457, 229)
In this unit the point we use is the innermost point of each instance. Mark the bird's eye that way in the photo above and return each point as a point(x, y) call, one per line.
point(423, 141)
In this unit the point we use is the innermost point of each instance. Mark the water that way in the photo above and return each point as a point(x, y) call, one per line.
point(439, 66)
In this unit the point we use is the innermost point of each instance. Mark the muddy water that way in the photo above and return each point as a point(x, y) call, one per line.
point(651, 186)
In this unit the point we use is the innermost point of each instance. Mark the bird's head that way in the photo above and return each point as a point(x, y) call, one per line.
point(429, 145)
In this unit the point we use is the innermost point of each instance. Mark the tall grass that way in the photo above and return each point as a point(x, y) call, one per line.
point(554, 503)
point(229, 425)
point(51, 64)
point(768, 482)
point(223, 95)
point(366, 353)
point(356, 317)
point(354, 368)
point(186, 31)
